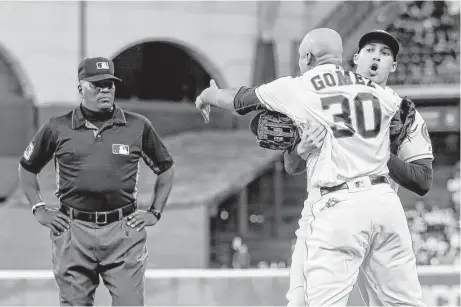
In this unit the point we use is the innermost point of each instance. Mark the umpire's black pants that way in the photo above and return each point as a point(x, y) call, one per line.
point(116, 252)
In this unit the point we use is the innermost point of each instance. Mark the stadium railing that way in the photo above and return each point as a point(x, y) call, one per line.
point(179, 287)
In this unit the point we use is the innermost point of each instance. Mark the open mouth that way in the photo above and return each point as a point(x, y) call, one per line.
point(104, 99)
point(374, 67)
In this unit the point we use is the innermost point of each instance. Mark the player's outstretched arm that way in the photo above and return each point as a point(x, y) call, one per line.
point(214, 96)
point(415, 176)
point(241, 100)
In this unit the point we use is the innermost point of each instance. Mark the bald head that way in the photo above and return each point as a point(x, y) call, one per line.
point(325, 46)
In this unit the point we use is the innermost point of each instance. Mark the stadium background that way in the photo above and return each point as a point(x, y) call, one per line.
point(228, 229)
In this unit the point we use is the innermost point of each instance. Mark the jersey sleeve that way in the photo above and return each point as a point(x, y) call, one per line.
point(246, 101)
point(154, 152)
point(277, 96)
point(291, 97)
point(418, 144)
point(41, 149)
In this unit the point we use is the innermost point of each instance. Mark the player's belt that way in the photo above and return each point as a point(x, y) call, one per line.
point(100, 218)
point(373, 180)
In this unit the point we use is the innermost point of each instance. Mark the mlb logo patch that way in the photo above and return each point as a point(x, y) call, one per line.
point(102, 65)
point(120, 149)
point(28, 152)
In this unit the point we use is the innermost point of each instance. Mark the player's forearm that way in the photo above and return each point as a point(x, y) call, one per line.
point(415, 176)
point(294, 164)
point(225, 99)
point(30, 186)
point(162, 189)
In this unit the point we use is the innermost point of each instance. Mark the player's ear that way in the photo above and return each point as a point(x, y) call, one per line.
point(356, 58)
point(80, 90)
point(394, 66)
point(309, 59)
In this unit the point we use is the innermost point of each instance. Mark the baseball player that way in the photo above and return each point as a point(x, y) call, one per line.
point(357, 219)
point(98, 229)
point(412, 167)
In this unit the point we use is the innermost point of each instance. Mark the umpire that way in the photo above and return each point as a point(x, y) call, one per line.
point(98, 229)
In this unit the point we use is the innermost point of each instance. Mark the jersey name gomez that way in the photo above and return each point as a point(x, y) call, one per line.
point(355, 111)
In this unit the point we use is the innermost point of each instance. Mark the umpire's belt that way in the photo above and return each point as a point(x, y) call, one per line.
point(344, 186)
point(100, 218)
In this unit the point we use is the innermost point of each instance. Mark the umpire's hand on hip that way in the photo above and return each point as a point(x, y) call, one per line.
point(140, 219)
point(311, 140)
point(53, 219)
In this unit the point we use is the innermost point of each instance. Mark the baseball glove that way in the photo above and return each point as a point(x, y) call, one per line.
point(401, 124)
point(275, 131)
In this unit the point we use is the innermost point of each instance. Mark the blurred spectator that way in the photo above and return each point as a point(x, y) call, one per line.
point(236, 243)
point(273, 265)
point(241, 258)
point(263, 265)
point(453, 186)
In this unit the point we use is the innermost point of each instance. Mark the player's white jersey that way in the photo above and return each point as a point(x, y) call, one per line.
point(355, 111)
point(418, 144)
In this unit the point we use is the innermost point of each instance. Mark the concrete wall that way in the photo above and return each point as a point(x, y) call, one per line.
point(43, 37)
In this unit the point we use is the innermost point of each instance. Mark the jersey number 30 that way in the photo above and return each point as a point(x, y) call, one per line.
point(345, 116)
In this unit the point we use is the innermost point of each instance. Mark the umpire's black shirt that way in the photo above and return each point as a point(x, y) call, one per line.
point(97, 169)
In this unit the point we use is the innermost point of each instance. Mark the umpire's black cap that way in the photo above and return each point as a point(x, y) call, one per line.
point(383, 37)
point(97, 69)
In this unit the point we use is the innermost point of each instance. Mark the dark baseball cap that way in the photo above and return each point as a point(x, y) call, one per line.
point(96, 69)
point(383, 37)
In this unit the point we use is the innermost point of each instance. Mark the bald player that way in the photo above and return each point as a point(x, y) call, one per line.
point(410, 165)
point(346, 231)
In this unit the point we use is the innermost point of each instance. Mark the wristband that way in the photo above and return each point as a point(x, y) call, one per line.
point(36, 206)
point(156, 213)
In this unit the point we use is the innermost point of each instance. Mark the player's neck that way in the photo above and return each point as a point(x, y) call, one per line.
point(383, 84)
point(329, 61)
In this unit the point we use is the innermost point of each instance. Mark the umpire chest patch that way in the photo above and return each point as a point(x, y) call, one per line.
point(120, 149)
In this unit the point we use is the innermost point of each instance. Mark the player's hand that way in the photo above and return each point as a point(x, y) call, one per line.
point(311, 140)
point(204, 109)
point(206, 99)
point(140, 219)
point(53, 219)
